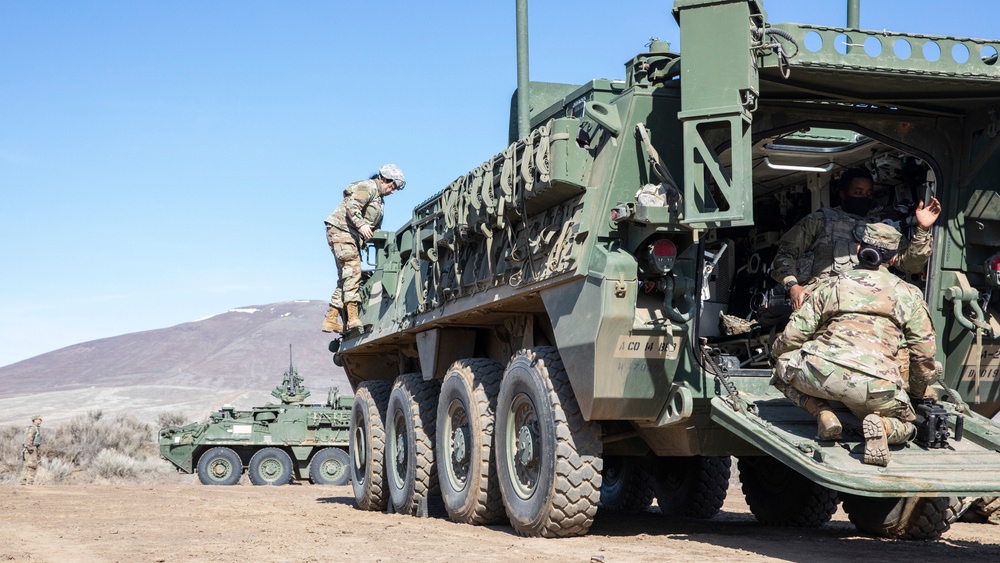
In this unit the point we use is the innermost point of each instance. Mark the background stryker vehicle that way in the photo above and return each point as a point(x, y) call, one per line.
point(544, 334)
point(275, 443)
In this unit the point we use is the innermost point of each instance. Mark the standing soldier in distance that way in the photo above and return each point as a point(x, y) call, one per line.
point(353, 222)
point(841, 345)
point(821, 244)
point(32, 455)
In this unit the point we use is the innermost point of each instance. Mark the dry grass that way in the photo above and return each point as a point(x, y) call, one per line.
point(171, 418)
point(92, 448)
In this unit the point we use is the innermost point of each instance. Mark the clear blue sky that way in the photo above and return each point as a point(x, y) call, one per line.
point(165, 161)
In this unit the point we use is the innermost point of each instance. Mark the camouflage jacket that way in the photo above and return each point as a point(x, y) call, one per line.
point(32, 437)
point(822, 244)
point(859, 320)
point(362, 205)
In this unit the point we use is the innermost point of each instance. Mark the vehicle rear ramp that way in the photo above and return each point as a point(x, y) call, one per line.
point(773, 424)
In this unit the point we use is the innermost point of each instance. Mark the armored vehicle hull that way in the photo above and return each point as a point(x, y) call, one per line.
point(544, 335)
point(274, 444)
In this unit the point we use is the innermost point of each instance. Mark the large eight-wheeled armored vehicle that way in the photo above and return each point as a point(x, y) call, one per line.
point(275, 443)
point(544, 334)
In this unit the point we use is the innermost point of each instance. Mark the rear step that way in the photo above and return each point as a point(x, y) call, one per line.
point(970, 467)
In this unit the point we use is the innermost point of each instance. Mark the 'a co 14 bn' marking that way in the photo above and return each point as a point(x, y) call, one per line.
point(665, 347)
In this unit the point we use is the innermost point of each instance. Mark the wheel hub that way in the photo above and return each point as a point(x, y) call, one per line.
point(400, 449)
point(220, 469)
point(360, 447)
point(332, 469)
point(524, 454)
point(527, 449)
point(270, 469)
point(459, 446)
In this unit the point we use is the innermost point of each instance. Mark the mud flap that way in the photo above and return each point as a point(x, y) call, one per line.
point(788, 433)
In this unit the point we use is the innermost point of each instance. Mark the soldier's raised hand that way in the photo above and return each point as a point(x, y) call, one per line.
point(366, 231)
point(926, 216)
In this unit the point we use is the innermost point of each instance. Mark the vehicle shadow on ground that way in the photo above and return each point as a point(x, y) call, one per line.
point(834, 541)
point(433, 509)
point(346, 498)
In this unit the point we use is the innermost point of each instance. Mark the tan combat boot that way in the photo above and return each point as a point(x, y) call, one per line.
point(353, 321)
point(876, 430)
point(332, 321)
point(827, 423)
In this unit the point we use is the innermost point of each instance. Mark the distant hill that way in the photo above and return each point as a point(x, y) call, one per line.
point(234, 357)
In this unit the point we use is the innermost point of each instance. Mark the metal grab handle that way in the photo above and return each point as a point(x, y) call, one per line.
point(978, 326)
point(957, 295)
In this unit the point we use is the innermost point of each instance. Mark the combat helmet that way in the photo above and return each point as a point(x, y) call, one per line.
point(392, 172)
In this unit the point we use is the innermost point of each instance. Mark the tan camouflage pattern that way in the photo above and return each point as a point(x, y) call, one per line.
point(362, 205)
point(731, 325)
point(348, 273)
point(32, 455)
point(842, 344)
point(823, 244)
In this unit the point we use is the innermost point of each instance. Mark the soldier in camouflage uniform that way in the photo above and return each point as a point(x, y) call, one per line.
point(32, 454)
point(841, 345)
point(354, 221)
point(821, 244)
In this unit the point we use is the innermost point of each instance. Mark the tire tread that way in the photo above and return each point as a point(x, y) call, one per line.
point(372, 494)
point(577, 479)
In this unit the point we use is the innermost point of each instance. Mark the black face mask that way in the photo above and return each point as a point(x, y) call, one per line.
point(857, 205)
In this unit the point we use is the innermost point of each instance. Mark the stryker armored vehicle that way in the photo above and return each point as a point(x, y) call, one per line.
point(275, 443)
point(544, 334)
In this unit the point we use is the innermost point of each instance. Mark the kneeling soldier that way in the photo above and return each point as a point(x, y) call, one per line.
point(841, 345)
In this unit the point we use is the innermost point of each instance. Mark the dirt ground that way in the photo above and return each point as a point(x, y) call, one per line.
point(302, 522)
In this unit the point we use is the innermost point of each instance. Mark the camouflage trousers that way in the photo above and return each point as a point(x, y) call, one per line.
point(32, 459)
point(345, 251)
point(798, 375)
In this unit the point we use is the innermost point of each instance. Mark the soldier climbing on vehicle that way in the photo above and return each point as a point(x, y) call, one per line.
point(353, 222)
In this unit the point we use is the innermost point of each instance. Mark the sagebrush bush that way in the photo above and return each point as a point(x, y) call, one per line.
point(82, 438)
point(171, 418)
point(93, 447)
point(54, 470)
point(113, 465)
point(11, 439)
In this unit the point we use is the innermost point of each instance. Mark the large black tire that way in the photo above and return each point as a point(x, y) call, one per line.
point(691, 487)
point(780, 496)
point(410, 472)
point(270, 466)
point(466, 461)
point(548, 457)
point(220, 466)
point(367, 446)
point(908, 518)
point(330, 466)
point(625, 485)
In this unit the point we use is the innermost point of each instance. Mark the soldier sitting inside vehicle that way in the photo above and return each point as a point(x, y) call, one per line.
point(841, 345)
point(820, 244)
